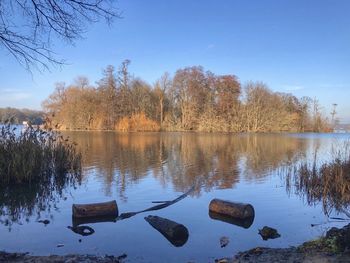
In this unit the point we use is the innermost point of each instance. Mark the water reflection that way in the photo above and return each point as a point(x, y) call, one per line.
point(245, 223)
point(180, 159)
point(327, 183)
point(18, 203)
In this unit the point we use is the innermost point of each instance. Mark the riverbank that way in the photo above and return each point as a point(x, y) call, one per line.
point(289, 255)
point(333, 247)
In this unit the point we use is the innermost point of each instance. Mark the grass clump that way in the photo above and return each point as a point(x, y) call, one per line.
point(335, 241)
point(322, 244)
point(328, 182)
point(35, 155)
point(36, 166)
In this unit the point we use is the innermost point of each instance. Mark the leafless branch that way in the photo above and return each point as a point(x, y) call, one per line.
point(27, 26)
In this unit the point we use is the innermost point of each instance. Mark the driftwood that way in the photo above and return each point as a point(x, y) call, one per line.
point(176, 233)
point(95, 210)
point(163, 204)
point(245, 223)
point(231, 209)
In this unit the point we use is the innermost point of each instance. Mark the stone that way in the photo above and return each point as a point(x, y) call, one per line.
point(268, 233)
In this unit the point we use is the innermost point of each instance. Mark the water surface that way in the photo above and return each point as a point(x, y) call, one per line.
point(138, 168)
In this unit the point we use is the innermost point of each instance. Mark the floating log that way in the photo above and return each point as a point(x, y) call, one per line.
point(95, 210)
point(231, 209)
point(176, 233)
point(245, 223)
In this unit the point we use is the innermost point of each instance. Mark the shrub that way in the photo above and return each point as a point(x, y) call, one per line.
point(35, 167)
point(137, 122)
point(36, 155)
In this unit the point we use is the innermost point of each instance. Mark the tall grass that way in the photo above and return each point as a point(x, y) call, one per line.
point(36, 155)
point(35, 168)
point(328, 182)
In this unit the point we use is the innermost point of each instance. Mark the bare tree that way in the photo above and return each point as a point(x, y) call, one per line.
point(81, 82)
point(27, 27)
point(161, 87)
point(124, 93)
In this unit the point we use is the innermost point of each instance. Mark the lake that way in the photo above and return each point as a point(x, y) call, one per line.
point(138, 168)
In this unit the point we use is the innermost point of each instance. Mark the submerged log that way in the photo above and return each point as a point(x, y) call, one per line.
point(245, 223)
point(176, 233)
point(231, 209)
point(95, 210)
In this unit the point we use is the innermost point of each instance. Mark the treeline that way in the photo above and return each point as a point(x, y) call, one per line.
point(17, 116)
point(193, 100)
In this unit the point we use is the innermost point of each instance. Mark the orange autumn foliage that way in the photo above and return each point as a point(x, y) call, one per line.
point(137, 122)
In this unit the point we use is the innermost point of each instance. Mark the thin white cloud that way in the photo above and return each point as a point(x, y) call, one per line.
point(13, 95)
point(292, 87)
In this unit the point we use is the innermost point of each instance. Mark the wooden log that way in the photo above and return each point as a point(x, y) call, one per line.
point(231, 209)
point(95, 210)
point(245, 223)
point(176, 233)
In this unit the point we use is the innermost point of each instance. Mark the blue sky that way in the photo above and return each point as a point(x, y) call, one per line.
point(296, 46)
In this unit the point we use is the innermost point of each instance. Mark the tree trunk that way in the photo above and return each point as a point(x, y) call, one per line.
point(161, 112)
point(235, 210)
point(95, 210)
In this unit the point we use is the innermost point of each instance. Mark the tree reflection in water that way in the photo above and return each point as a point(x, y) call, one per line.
point(179, 159)
point(20, 202)
point(219, 161)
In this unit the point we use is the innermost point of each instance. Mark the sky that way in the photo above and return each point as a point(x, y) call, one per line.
point(294, 46)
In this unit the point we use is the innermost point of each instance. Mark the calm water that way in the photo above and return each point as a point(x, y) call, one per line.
point(136, 169)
